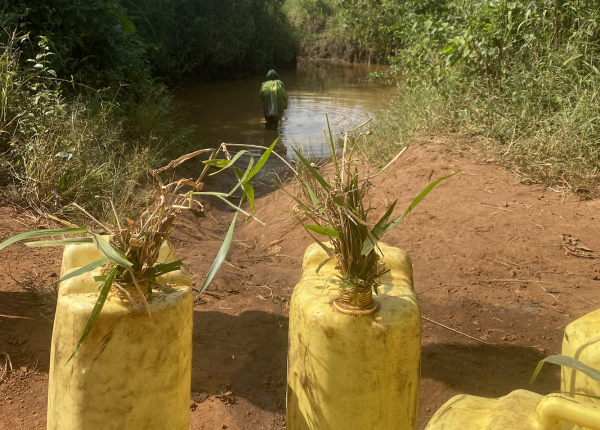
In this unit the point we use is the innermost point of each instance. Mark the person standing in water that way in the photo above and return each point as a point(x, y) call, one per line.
point(274, 100)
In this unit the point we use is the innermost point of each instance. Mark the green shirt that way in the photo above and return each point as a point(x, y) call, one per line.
point(273, 98)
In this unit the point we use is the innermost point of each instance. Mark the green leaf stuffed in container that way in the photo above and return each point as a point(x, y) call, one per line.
point(121, 352)
point(354, 360)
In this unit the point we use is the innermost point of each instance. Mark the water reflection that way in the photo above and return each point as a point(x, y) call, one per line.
point(231, 111)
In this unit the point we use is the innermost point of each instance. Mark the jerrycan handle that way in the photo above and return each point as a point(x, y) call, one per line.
point(555, 408)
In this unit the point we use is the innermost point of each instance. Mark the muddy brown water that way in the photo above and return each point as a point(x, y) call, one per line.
point(230, 110)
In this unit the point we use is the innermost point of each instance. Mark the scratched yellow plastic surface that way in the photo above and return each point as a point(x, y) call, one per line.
point(582, 341)
point(350, 372)
point(520, 410)
point(133, 372)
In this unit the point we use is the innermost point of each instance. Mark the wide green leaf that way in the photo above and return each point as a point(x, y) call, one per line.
point(426, 191)
point(313, 196)
point(61, 242)
point(85, 269)
point(110, 252)
point(312, 170)
point(214, 268)
point(322, 230)
point(331, 145)
point(262, 160)
point(42, 233)
point(104, 290)
point(164, 268)
point(247, 187)
point(375, 234)
point(128, 26)
point(229, 162)
point(573, 363)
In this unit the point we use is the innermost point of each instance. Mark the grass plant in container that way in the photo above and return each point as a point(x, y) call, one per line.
point(354, 360)
point(122, 340)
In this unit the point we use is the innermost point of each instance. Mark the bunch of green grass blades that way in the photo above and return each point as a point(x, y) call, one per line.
point(337, 209)
point(130, 256)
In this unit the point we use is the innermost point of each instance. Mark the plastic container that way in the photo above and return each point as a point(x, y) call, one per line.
point(133, 371)
point(354, 372)
point(582, 341)
point(520, 410)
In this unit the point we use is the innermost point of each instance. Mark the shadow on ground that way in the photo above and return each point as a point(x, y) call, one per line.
point(244, 354)
point(483, 370)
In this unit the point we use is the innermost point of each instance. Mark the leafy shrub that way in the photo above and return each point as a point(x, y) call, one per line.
point(214, 38)
point(523, 74)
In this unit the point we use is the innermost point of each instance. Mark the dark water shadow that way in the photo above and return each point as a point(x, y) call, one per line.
point(485, 371)
point(244, 354)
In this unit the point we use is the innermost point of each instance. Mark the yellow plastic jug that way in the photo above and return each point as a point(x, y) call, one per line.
point(582, 341)
point(520, 410)
point(133, 372)
point(525, 410)
point(354, 372)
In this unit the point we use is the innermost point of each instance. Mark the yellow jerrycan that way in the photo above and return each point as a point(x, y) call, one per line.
point(582, 341)
point(525, 410)
point(133, 372)
point(354, 370)
point(520, 410)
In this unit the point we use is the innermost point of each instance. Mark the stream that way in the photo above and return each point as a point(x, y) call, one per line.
point(230, 110)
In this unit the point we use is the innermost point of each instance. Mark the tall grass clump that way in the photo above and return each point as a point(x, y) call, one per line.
point(338, 208)
point(130, 262)
point(521, 74)
point(60, 147)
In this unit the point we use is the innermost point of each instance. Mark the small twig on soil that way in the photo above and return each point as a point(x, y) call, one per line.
point(555, 310)
point(15, 316)
point(279, 322)
point(287, 256)
point(263, 286)
point(234, 266)
point(7, 364)
point(499, 262)
point(548, 292)
point(509, 280)
point(494, 207)
point(459, 332)
point(586, 301)
point(390, 163)
point(275, 242)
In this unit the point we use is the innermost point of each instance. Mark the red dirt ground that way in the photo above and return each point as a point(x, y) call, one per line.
point(489, 261)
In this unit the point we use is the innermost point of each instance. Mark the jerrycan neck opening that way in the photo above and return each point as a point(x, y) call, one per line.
point(355, 301)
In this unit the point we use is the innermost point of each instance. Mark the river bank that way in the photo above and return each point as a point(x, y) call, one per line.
point(489, 257)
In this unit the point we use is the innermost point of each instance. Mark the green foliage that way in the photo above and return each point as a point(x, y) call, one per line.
point(131, 254)
point(81, 145)
point(214, 38)
point(318, 27)
point(522, 74)
point(93, 40)
point(337, 208)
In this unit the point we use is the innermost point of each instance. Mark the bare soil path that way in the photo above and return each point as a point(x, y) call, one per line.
point(503, 262)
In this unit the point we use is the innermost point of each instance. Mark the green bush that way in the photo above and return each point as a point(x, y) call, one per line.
point(522, 74)
point(85, 148)
point(214, 38)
